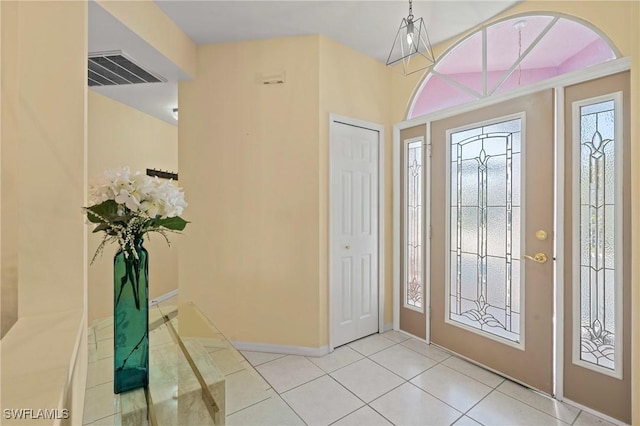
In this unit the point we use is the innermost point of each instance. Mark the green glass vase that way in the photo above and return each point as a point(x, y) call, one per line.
point(131, 319)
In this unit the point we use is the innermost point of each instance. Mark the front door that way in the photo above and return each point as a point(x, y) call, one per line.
point(354, 232)
point(492, 209)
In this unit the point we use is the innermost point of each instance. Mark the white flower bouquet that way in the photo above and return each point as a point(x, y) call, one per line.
point(127, 205)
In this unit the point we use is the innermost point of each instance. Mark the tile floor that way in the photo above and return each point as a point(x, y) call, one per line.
point(392, 379)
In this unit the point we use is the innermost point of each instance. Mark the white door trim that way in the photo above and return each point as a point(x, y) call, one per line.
point(335, 118)
point(397, 155)
point(427, 236)
point(558, 246)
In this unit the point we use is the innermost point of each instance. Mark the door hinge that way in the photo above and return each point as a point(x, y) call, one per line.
point(429, 150)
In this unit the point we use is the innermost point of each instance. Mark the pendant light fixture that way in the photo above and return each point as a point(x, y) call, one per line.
point(411, 47)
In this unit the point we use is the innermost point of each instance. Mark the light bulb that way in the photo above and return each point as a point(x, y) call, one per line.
point(410, 33)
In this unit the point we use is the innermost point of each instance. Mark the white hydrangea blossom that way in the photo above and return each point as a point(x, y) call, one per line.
point(141, 204)
point(139, 193)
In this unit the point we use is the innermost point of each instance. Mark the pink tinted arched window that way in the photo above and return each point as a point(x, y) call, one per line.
point(519, 51)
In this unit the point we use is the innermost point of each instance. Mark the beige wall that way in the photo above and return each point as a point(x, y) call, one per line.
point(50, 157)
point(619, 21)
point(255, 161)
point(43, 106)
point(356, 86)
point(118, 136)
point(249, 159)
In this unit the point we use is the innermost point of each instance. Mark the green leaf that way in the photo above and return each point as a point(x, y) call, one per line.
point(174, 223)
point(107, 210)
point(101, 227)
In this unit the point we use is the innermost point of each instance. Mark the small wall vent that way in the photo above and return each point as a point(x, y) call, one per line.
point(115, 68)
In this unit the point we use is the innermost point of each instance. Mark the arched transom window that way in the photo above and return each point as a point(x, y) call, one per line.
point(507, 55)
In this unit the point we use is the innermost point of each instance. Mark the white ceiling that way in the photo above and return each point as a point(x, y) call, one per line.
point(366, 26)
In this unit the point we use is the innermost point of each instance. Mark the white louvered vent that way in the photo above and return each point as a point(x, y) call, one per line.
point(115, 68)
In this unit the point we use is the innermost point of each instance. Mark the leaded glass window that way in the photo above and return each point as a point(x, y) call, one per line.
point(485, 200)
point(596, 196)
point(414, 226)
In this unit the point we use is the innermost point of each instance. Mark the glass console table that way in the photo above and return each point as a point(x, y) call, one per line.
point(192, 368)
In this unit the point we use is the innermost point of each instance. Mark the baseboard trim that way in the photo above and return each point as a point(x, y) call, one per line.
point(594, 412)
point(387, 327)
point(163, 297)
point(281, 349)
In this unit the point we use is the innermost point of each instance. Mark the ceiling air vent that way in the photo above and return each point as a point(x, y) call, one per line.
point(114, 68)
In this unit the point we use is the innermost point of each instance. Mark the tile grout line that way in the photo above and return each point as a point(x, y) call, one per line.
point(380, 414)
point(278, 394)
point(531, 406)
point(271, 387)
point(388, 391)
point(328, 374)
point(536, 408)
point(427, 392)
point(418, 387)
point(297, 386)
point(576, 419)
point(413, 377)
point(466, 413)
point(248, 406)
point(343, 386)
point(405, 381)
point(348, 390)
point(471, 377)
point(340, 368)
point(262, 363)
point(290, 407)
point(380, 350)
point(435, 397)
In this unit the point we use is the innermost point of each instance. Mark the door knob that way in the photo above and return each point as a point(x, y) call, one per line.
point(538, 257)
point(347, 247)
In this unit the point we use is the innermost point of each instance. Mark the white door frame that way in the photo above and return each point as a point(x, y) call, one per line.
point(340, 119)
point(557, 83)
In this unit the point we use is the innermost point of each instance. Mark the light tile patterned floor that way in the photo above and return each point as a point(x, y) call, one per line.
point(383, 379)
point(392, 379)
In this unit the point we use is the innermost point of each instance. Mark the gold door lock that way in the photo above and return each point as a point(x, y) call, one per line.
point(538, 257)
point(541, 235)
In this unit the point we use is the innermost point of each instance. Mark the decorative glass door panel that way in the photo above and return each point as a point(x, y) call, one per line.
point(414, 269)
point(600, 293)
point(484, 222)
point(414, 171)
point(491, 195)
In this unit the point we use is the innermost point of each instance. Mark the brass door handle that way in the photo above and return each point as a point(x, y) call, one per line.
point(538, 258)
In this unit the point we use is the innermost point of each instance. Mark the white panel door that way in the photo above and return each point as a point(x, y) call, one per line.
point(354, 232)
